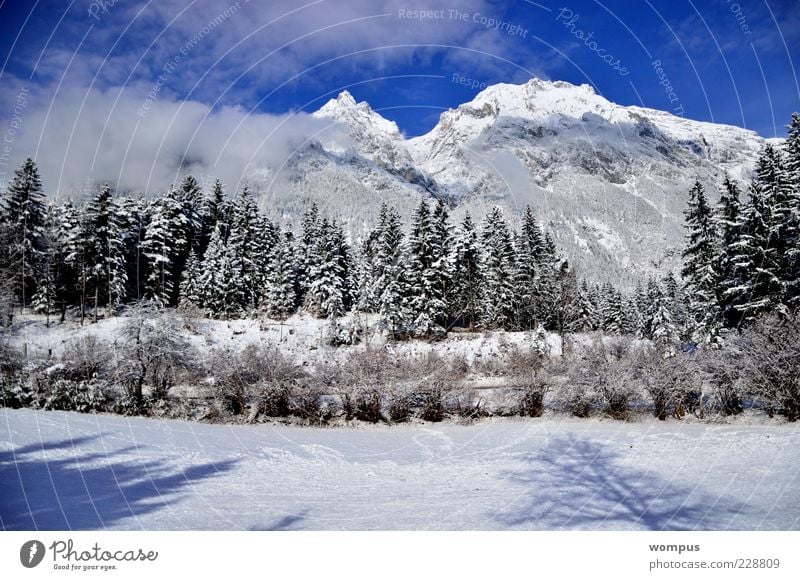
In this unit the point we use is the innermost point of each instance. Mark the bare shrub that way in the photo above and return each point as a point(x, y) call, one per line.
point(153, 351)
point(365, 378)
point(84, 358)
point(465, 403)
point(432, 379)
point(400, 405)
point(305, 402)
point(258, 376)
point(722, 369)
point(603, 372)
point(770, 357)
point(672, 380)
point(525, 371)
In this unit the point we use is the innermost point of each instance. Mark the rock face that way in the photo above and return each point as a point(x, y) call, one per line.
point(610, 182)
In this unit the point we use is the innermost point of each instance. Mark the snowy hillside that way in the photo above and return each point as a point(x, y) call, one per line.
point(68, 471)
point(609, 181)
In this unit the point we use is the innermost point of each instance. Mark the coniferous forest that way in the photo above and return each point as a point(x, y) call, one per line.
point(215, 253)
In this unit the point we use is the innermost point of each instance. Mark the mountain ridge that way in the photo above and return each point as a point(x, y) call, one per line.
point(609, 181)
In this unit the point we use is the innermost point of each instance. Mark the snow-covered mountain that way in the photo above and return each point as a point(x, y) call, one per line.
point(609, 181)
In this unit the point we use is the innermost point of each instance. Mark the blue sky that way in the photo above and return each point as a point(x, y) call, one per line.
point(728, 62)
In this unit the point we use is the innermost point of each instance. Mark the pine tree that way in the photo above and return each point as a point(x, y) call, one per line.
point(441, 248)
point(728, 221)
point(244, 241)
point(585, 318)
point(44, 301)
point(498, 267)
point(529, 246)
point(465, 275)
point(281, 278)
point(664, 330)
point(162, 245)
point(755, 286)
point(132, 220)
point(221, 284)
point(613, 310)
point(547, 283)
point(792, 257)
point(675, 301)
point(214, 210)
point(307, 259)
point(105, 262)
point(426, 301)
point(699, 274)
point(328, 288)
point(389, 278)
point(24, 213)
point(190, 294)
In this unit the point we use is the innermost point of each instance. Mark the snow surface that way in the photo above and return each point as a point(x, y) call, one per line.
point(70, 471)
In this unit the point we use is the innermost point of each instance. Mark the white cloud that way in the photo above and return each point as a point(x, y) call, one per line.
point(77, 142)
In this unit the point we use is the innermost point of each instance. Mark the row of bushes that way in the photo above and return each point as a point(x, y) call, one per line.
point(614, 377)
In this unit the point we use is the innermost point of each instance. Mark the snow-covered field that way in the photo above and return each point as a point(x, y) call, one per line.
point(70, 471)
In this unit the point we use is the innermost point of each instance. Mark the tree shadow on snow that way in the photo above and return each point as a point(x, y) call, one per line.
point(577, 484)
point(83, 490)
point(285, 523)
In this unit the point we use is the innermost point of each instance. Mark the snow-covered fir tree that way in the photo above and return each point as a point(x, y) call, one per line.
point(585, 318)
point(498, 272)
point(390, 287)
point(161, 246)
point(424, 275)
point(280, 298)
point(529, 248)
point(190, 292)
point(328, 291)
point(465, 297)
point(755, 287)
point(729, 226)
point(104, 255)
point(24, 213)
point(306, 256)
point(699, 274)
point(249, 248)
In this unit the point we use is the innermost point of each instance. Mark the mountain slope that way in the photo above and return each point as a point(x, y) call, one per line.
point(609, 181)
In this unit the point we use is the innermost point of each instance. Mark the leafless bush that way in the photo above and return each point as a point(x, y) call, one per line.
point(154, 350)
point(525, 371)
point(770, 356)
point(722, 370)
point(465, 403)
point(431, 403)
point(400, 404)
point(84, 358)
point(603, 372)
point(257, 375)
point(305, 402)
point(365, 377)
point(433, 378)
point(672, 380)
